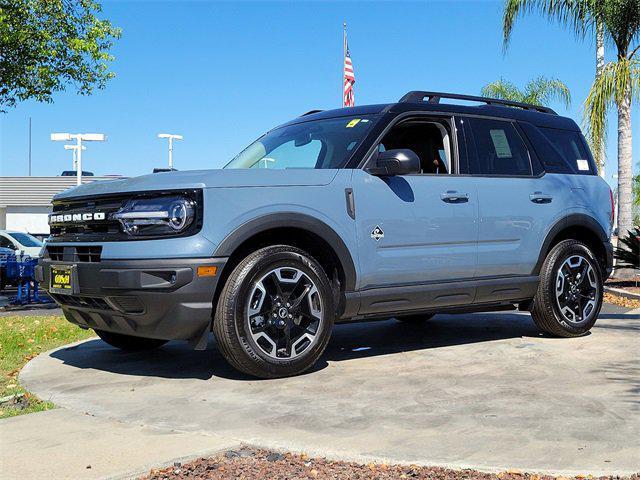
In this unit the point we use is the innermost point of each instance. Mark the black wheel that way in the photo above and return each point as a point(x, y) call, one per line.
point(130, 343)
point(569, 295)
point(275, 313)
point(416, 318)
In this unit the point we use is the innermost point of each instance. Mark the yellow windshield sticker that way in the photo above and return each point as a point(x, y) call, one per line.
point(353, 123)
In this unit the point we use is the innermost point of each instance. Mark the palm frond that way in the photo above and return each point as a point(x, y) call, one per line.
point(539, 91)
point(596, 145)
point(628, 250)
point(621, 19)
point(618, 79)
point(542, 91)
point(502, 89)
point(579, 15)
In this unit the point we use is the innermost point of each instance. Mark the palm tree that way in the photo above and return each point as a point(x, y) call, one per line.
point(576, 14)
point(539, 91)
point(619, 84)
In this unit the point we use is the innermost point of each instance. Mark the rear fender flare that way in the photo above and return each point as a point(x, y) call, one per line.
point(573, 220)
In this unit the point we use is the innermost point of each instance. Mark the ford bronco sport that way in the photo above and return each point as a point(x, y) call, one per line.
point(402, 210)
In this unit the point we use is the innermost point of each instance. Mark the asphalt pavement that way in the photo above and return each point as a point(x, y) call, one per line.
point(475, 390)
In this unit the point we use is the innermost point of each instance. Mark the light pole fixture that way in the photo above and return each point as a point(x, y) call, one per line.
point(171, 137)
point(74, 149)
point(79, 138)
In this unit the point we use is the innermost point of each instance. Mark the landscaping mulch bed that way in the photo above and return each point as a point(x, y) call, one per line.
point(250, 463)
point(621, 301)
point(632, 286)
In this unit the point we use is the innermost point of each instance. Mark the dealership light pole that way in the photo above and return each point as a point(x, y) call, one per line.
point(74, 149)
point(79, 138)
point(171, 138)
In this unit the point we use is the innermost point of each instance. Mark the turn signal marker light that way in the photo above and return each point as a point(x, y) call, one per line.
point(207, 271)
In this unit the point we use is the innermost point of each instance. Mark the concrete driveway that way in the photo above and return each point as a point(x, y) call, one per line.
point(481, 390)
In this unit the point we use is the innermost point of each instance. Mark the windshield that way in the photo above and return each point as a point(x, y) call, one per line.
point(26, 240)
point(316, 144)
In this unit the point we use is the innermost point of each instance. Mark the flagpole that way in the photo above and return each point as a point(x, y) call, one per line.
point(344, 56)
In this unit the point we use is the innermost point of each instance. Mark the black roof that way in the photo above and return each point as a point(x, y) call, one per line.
point(536, 115)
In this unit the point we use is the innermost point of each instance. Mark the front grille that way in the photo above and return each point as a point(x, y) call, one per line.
point(96, 303)
point(90, 219)
point(90, 254)
point(90, 229)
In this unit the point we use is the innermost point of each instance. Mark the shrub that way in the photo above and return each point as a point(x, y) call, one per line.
point(628, 251)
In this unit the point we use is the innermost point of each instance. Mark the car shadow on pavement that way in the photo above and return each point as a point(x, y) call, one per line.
point(349, 341)
point(631, 322)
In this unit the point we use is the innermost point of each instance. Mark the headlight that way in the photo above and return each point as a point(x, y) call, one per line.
point(161, 216)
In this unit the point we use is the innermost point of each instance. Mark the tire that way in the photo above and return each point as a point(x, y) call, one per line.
point(416, 318)
point(130, 343)
point(572, 256)
point(251, 320)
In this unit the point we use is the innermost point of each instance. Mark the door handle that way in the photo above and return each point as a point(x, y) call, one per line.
point(452, 196)
point(539, 197)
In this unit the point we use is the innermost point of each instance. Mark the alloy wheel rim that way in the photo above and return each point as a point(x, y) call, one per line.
point(284, 313)
point(576, 289)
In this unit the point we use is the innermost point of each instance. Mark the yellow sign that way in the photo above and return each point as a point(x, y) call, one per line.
point(353, 123)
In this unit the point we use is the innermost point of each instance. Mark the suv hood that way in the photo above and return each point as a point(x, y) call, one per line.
point(220, 178)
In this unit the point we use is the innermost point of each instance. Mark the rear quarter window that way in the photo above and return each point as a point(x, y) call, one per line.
point(572, 148)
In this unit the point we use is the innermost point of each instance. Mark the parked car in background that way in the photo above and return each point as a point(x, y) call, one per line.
point(73, 173)
point(402, 210)
point(20, 243)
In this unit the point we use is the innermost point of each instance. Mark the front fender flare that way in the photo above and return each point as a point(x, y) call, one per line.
point(292, 220)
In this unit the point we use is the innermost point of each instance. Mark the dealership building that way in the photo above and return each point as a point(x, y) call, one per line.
point(25, 202)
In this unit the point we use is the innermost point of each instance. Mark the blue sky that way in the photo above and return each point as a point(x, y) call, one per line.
point(222, 73)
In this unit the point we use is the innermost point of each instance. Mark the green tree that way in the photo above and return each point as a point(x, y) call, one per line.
point(49, 45)
point(539, 91)
point(583, 20)
point(618, 85)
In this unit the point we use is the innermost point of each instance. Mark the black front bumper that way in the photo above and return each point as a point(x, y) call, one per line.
point(163, 299)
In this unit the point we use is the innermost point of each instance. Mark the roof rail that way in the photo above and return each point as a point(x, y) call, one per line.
point(418, 96)
point(310, 112)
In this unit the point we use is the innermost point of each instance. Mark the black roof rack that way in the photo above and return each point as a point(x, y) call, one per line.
point(418, 96)
point(310, 112)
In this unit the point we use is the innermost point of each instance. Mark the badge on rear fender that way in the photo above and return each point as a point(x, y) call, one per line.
point(377, 233)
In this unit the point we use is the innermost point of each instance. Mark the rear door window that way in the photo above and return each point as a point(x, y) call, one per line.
point(499, 147)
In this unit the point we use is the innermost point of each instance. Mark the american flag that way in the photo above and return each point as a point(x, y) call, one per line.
point(348, 96)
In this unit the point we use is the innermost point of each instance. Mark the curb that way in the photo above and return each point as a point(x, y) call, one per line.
point(622, 293)
point(142, 471)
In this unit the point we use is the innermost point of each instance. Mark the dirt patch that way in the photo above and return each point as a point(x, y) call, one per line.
point(252, 463)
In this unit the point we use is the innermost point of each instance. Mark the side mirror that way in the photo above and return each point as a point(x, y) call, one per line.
point(401, 161)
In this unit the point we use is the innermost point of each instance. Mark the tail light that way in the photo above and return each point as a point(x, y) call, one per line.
point(613, 207)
